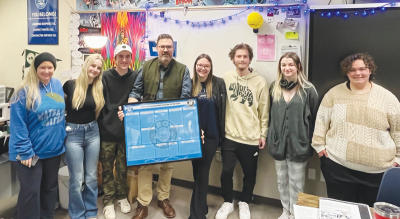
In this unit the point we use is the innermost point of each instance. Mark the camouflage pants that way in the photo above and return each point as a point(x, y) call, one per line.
point(114, 187)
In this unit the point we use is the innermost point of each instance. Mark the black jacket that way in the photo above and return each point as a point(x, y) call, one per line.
point(116, 91)
point(219, 96)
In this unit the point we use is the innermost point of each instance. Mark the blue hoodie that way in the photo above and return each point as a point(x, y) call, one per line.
point(40, 132)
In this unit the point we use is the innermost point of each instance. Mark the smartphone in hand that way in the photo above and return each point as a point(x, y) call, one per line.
point(34, 159)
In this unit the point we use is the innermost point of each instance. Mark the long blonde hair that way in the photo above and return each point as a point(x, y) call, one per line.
point(196, 87)
point(301, 78)
point(82, 84)
point(29, 84)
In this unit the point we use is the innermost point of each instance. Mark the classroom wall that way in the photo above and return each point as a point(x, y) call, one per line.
point(13, 41)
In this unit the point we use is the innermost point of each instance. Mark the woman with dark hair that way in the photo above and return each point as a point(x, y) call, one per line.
point(211, 93)
point(293, 108)
point(37, 137)
point(357, 133)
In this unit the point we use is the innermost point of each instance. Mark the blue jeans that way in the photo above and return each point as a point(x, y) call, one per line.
point(82, 153)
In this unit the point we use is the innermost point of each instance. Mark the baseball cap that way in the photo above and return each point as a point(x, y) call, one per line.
point(122, 47)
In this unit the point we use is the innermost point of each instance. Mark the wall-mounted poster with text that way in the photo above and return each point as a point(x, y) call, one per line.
point(42, 22)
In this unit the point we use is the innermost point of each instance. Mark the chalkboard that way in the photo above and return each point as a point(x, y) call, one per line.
point(333, 39)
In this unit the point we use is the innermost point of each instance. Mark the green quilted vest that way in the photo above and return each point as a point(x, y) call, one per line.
point(173, 78)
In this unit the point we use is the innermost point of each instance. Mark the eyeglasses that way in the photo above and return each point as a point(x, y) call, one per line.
point(203, 66)
point(165, 47)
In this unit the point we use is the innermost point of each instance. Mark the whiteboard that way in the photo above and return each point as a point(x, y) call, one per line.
point(218, 39)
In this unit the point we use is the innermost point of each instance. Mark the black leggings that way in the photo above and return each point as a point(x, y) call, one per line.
point(38, 188)
point(247, 155)
point(350, 185)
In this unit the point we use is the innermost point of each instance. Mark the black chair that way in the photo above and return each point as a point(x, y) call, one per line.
point(389, 191)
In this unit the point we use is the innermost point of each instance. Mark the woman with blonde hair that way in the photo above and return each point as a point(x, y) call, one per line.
point(293, 108)
point(84, 100)
point(37, 137)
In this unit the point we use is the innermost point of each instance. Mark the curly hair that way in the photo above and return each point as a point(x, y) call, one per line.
point(241, 46)
point(347, 63)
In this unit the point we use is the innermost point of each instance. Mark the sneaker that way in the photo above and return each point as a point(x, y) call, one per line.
point(224, 211)
point(109, 212)
point(285, 215)
point(244, 211)
point(125, 206)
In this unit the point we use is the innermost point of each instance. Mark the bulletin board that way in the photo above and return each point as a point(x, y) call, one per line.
point(162, 131)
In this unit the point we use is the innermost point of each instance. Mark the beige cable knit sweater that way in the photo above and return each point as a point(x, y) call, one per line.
point(359, 131)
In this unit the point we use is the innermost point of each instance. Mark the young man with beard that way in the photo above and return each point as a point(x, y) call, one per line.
point(246, 126)
point(117, 83)
point(159, 78)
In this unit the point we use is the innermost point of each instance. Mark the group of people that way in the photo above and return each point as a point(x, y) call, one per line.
point(355, 131)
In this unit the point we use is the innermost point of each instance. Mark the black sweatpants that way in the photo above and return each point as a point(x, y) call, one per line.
point(38, 188)
point(201, 170)
point(350, 185)
point(247, 155)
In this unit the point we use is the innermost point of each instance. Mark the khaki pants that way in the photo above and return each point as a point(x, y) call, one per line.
point(145, 179)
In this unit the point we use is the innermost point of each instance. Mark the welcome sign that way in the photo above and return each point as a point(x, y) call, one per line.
point(162, 131)
point(42, 22)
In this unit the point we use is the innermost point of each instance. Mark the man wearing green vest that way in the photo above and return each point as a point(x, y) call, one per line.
point(159, 78)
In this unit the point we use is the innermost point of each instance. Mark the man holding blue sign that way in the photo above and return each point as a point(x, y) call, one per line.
point(159, 78)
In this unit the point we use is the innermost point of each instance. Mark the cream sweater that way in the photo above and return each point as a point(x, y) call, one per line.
point(247, 107)
point(359, 131)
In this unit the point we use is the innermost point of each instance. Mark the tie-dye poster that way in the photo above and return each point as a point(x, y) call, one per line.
point(123, 28)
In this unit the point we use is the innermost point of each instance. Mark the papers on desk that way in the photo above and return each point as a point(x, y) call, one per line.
point(302, 212)
point(332, 209)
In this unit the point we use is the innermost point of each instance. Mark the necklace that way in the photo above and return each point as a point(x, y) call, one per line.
point(51, 90)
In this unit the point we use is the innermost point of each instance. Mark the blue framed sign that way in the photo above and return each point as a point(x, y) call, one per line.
point(162, 131)
point(42, 22)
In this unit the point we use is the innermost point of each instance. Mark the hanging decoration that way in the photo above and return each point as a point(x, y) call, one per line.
point(223, 20)
point(345, 14)
point(255, 21)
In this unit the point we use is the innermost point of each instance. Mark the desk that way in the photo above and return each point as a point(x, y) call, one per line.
point(313, 201)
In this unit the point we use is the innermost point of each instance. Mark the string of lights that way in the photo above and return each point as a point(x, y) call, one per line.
point(358, 12)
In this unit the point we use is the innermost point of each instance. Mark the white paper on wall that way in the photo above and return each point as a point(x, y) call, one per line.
point(77, 61)
point(74, 17)
point(73, 46)
point(73, 31)
point(76, 54)
point(74, 39)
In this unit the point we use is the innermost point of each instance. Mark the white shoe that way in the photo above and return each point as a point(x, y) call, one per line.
point(244, 211)
point(291, 216)
point(224, 211)
point(125, 206)
point(285, 215)
point(109, 212)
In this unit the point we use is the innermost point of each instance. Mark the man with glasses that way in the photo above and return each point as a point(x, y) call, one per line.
point(159, 78)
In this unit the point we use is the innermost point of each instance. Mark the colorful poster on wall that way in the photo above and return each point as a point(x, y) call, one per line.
point(266, 48)
point(94, 5)
point(124, 28)
point(162, 131)
point(42, 22)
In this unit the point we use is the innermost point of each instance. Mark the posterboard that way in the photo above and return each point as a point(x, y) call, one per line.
point(162, 131)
